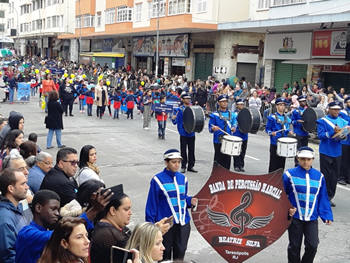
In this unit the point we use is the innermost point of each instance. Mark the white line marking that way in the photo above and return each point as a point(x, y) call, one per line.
point(251, 157)
point(171, 130)
point(343, 187)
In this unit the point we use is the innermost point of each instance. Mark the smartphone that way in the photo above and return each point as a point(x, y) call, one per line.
point(120, 255)
point(114, 189)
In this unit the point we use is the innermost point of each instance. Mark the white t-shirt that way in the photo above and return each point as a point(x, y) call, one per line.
point(86, 174)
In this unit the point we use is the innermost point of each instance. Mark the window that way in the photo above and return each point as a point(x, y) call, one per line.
point(88, 20)
point(78, 22)
point(124, 14)
point(264, 4)
point(201, 6)
point(110, 16)
point(179, 7)
point(286, 2)
point(138, 9)
point(98, 19)
point(48, 22)
point(37, 4)
point(158, 8)
point(2, 14)
point(2, 27)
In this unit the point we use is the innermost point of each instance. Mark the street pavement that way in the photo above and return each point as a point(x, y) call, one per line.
point(131, 155)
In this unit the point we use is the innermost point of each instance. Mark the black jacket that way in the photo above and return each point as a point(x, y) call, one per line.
point(66, 187)
point(67, 92)
point(53, 119)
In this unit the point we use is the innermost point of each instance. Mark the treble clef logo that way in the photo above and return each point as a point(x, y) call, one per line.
point(239, 219)
point(239, 216)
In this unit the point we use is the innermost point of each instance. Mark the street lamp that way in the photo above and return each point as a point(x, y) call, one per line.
point(157, 48)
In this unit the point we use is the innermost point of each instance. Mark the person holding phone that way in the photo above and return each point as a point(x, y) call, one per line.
point(165, 186)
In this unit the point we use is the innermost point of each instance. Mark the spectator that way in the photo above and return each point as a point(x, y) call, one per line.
point(37, 173)
point(34, 138)
point(254, 100)
point(16, 121)
point(28, 151)
point(87, 164)
point(13, 187)
point(12, 142)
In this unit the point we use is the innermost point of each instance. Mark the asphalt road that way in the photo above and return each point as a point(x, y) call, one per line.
point(130, 155)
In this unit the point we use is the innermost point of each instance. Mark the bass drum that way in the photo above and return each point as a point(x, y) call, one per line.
point(193, 119)
point(249, 120)
point(309, 117)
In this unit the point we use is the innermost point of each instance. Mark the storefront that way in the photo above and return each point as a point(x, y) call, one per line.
point(288, 53)
point(170, 47)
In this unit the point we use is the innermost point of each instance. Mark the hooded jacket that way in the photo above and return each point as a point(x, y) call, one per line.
point(13, 122)
point(11, 221)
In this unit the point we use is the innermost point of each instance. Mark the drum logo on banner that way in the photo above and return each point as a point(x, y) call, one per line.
point(240, 215)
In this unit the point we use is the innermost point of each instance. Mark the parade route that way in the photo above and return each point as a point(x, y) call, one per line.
point(130, 155)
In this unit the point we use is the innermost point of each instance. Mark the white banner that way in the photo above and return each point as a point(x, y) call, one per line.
point(288, 46)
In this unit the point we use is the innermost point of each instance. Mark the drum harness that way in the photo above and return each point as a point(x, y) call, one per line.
point(226, 120)
point(281, 122)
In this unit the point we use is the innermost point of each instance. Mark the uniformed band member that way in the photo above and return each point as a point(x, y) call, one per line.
point(168, 197)
point(225, 120)
point(301, 135)
point(345, 158)
point(277, 126)
point(187, 140)
point(331, 148)
point(238, 161)
point(306, 190)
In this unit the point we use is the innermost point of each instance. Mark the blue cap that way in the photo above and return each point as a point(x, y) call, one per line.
point(335, 105)
point(172, 154)
point(239, 101)
point(302, 98)
point(280, 101)
point(347, 99)
point(306, 152)
point(222, 97)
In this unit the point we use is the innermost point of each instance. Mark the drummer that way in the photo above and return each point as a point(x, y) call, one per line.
point(301, 135)
point(330, 146)
point(222, 120)
point(187, 140)
point(277, 126)
point(238, 161)
point(345, 164)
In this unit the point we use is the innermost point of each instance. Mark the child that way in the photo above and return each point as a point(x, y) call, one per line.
point(161, 117)
point(117, 102)
point(90, 94)
point(130, 103)
point(34, 138)
point(82, 91)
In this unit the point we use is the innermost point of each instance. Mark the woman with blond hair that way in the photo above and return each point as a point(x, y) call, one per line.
point(148, 240)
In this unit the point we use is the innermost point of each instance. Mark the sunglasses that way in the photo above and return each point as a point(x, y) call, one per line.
point(71, 162)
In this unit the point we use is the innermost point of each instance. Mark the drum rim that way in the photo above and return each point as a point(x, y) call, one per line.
point(289, 140)
point(239, 139)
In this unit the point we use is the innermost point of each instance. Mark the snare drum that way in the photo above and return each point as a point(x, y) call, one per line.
point(231, 145)
point(287, 147)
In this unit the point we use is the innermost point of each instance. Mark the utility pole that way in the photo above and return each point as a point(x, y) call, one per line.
point(157, 48)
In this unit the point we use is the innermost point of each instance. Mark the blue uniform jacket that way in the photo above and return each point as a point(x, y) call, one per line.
point(227, 118)
point(238, 133)
point(297, 126)
point(346, 116)
point(179, 122)
point(307, 191)
point(11, 222)
point(275, 125)
point(167, 196)
point(325, 131)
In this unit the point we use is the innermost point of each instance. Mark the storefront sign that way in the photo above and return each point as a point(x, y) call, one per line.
point(180, 62)
point(288, 46)
point(329, 43)
point(335, 68)
point(239, 215)
point(169, 46)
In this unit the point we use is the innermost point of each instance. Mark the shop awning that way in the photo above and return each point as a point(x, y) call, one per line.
point(318, 61)
point(103, 54)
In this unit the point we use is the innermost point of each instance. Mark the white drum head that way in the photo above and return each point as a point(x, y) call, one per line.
point(287, 140)
point(232, 138)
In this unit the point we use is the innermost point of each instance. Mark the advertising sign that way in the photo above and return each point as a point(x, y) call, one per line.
point(288, 46)
point(169, 46)
point(329, 43)
point(23, 91)
point(239, 215)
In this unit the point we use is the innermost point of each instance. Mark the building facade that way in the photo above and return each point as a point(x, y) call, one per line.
point(118, 33)
point(37, 24)
point(303, 39)
point(4, 40)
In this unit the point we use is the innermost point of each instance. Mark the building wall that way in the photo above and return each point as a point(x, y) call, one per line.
point(3, 21)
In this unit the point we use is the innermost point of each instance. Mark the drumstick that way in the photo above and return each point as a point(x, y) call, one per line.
point(221, 130)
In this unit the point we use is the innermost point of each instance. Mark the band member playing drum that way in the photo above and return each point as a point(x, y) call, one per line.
point(306, 190)
point(301, 135)
point(277, 126)
point(238, 161)
point(187, 140)
point(222, 120)
point(330, 148)
point(345, 159)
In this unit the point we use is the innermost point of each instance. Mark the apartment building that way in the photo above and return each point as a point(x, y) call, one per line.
point(304, 39)
point(124, 32)
point(38, 23)
point(4, 40)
